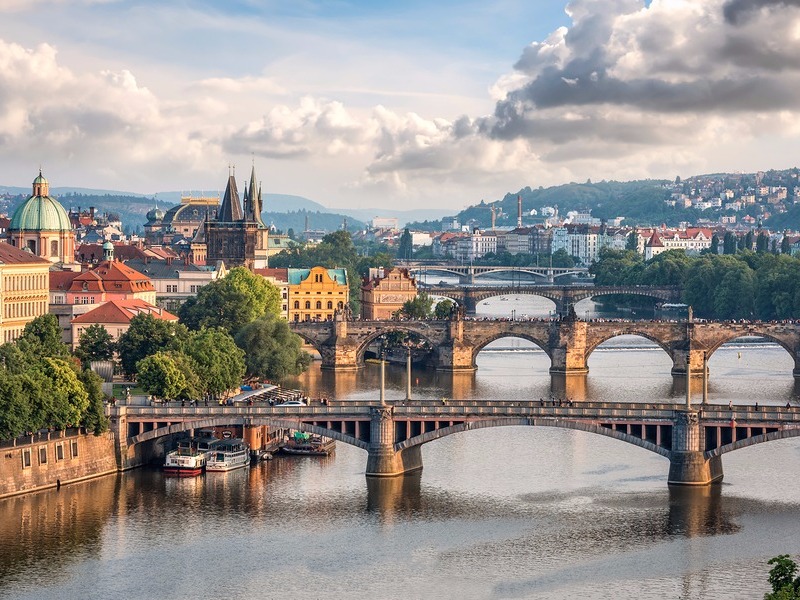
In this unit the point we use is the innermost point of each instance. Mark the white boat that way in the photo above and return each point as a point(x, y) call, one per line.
point(186, 460)
point(229, 455)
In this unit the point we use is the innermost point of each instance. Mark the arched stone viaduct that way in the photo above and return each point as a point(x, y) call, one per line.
point(568, 343)
point(392, 435)
point(563, 296)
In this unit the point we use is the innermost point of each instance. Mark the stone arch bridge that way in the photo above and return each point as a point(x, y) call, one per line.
point(563, 296)
point(568, 343)
point(692, 439)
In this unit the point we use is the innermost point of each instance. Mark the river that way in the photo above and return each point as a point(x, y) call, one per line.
point(496, 513)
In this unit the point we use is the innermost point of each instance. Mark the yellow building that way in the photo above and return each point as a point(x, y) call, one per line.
point(315, 294)
point(24, 290)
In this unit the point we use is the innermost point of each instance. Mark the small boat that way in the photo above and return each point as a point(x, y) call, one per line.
point(185, 461)
point(229, 455)
point(308, 445)
point(503, 299)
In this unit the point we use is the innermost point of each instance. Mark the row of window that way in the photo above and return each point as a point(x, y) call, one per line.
point(60, 453)
point(16, 283)
point(318, 305)
point(16, 310)
point(173, 289)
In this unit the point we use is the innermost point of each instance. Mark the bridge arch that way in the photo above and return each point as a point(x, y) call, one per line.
point(223, 421)
point(390, 327)
point(662, 294)
point(781, 434)
point(531, 422)
point(723, 339)
point(481, 344)
point(631, 330)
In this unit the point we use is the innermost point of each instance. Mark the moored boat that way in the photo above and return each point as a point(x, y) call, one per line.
point(308, 445)
point(229, 455)
point(186, 460)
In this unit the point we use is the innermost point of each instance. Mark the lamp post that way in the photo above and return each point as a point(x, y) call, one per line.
point(383, 378)
point(408, 373)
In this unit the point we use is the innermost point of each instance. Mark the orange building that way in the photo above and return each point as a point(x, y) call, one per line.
point(315, 294)
point(115, 316)
point(383, 293)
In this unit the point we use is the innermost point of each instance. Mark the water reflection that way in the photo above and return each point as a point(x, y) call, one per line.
point(698, 511)
point(393, 496)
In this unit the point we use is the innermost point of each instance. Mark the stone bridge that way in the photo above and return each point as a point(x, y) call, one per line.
point(468, 273)
point(563, 296)
point(693, 439)
point(568, 343)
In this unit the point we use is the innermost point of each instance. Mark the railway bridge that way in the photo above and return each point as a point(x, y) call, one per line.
point(567, 342)
point(692, 439)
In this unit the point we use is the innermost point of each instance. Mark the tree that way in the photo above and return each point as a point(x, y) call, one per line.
point(94, 419)
point(714, 248)
point(146, 336)
point(95, 343)
point(782, 579)
point(786, 246)
point(405, 249)
point(419, 307)
point(219, 361)
point(443, 309)
point(161, 376)
point(271, 350)
point(231, 302)
point(729, 243)
point(15, 411)
point(42, 337)
point(562, 259)
point(762, 242)
point(632, 241)
point(69, 399)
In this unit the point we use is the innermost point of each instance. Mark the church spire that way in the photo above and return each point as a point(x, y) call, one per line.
point(231, 210)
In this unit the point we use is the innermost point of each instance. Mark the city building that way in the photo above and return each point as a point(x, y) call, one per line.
point(115, 317)
point(181, 221)
point(176, 280)
point(42, 226)
point(23, 290)
point(280, 279)
point(315, 294)
point(383, 293)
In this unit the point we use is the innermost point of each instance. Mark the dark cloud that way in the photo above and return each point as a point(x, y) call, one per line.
point(738, 11)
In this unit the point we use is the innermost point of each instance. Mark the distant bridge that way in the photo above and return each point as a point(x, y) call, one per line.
point(467, 274)
point(692, 438)
point(563, 296)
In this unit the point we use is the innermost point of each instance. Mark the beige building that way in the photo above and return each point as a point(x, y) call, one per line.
point(315, 294)
point(24, 289)
point(280, 279)
point(115, 316)
point(385, 292)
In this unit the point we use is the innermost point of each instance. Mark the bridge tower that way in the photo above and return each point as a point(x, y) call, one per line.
point(688, 464)
point(383, 460)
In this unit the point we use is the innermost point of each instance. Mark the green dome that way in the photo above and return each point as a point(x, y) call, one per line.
point(40, 213)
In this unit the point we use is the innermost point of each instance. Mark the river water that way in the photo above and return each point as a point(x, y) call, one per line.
point(496, 513)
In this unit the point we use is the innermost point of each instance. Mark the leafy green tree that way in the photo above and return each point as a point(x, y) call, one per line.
point(782, 579)
point(42, 337)
point(714, 248)
point(145, 336)
point(160, 375)
point(95, 343)
point(762, 242)
point(69, 398)
point(667, 268)
point(231, 302)
point(748, 240)
point(219, 361)
point(15, 410)
point(94, 418)
point(405, 249)
point(617, 267)
point(786, 247)
point(443, 309)
point(562, 259)
point(733, 296)
point(632, 242)
point(729, 243)
point(271, 350)
point(419, 307)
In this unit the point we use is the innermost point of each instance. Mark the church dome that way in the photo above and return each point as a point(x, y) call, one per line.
point(40, 212)
point(156, 214)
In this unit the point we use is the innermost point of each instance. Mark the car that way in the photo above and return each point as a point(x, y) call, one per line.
point(292, 403)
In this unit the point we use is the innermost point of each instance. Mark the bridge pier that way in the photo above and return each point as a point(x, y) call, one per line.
point(568, 347)
point(383, 460)
point(696, 359)
point(688, 464)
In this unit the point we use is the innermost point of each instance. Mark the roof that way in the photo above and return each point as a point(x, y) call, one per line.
point(163, 269)
point(297, 276)
point(11, 255)
point(40, 213)
point(112, 276)
point(122, 311)
point(278, 274)
point(231, 209)
point(93, 252)
point(62, 280)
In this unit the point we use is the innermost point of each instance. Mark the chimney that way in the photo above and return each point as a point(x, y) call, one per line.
point(169, 260)
point(519, 210)
point(91, 213)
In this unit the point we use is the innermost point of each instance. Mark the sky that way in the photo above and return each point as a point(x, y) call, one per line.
point(402, 105)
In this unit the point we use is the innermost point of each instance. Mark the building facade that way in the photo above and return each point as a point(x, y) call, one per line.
point(316, 294)
point(115, 317)
point(383, 293)
point(23, 290)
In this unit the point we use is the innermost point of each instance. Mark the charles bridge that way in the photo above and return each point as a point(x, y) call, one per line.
point(567, 342)
point(692, 438)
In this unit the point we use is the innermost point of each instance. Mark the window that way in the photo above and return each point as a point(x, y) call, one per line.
point(74, 448)
point(26, 458)
point(172, 289)
point(42, 455)
point(194, 288)
point(308, 304)
point(330, 305)
point(59, 452)
point(297, 304)
point(319, 305)
point(54, 248)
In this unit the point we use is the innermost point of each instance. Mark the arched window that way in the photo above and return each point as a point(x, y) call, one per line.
point(319, 305)
point(330, 305)
point(341, 305)
point(308, 304)
point(297, 303)
point(54, 248)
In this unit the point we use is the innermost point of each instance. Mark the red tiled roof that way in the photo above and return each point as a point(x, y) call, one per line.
point(12, 255)
point(279, 274)
point(112, 276)
point(61, 280)
point(122, 311)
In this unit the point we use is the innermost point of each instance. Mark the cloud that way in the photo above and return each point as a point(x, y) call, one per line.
point(26, 5)
point(737, 11)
